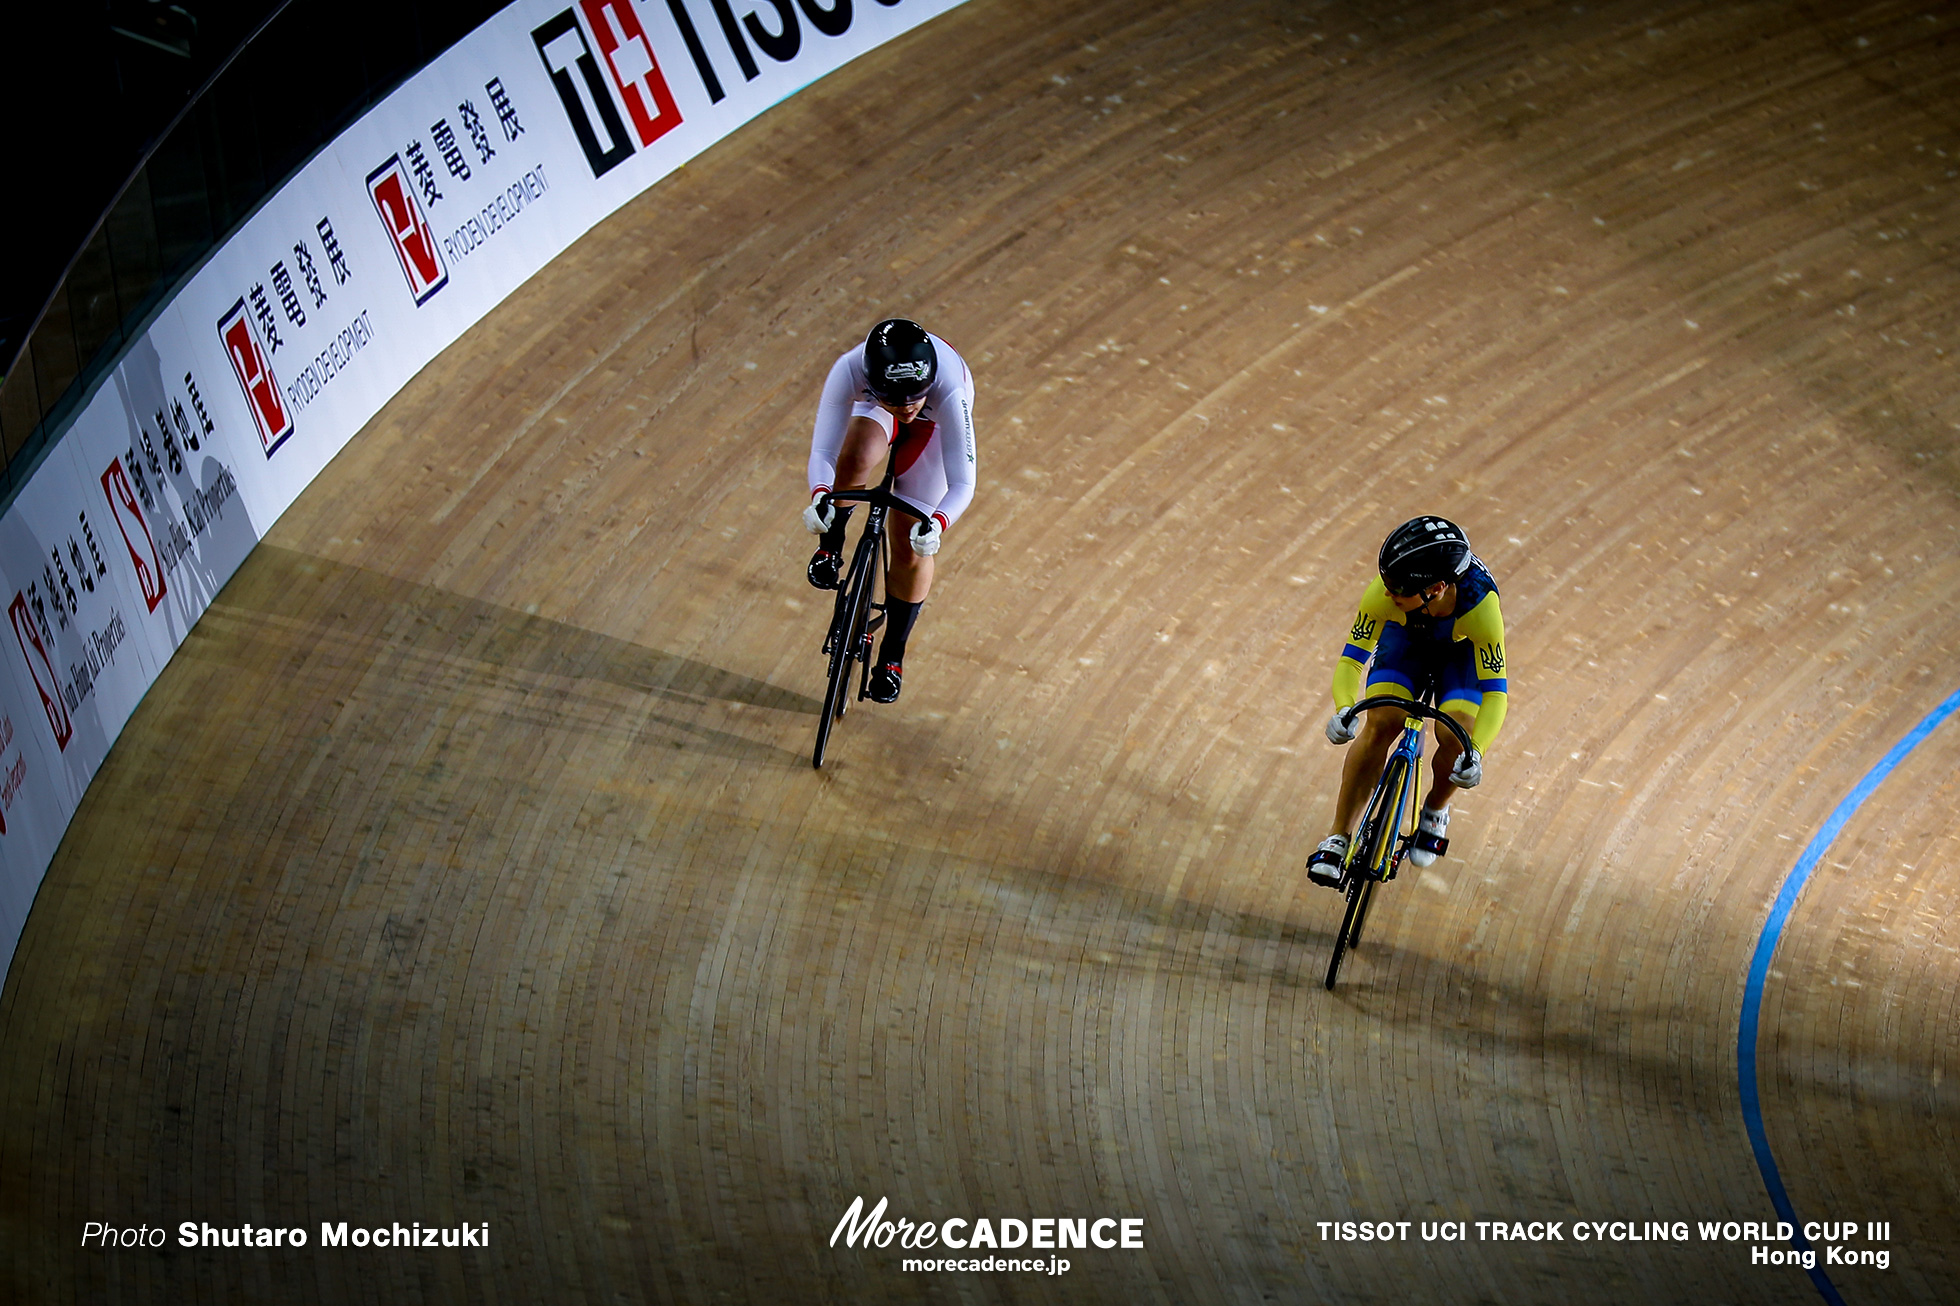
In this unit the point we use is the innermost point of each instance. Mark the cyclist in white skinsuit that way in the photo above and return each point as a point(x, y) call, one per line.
point(908, 394)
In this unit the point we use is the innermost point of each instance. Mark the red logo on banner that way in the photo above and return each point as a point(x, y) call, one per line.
point(10, 783)
point(254, 371)
point(629, 58)
point(414, 241)
point(38, 662)
point(123, 507)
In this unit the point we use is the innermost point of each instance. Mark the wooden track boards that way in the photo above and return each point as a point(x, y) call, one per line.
point(467, 865)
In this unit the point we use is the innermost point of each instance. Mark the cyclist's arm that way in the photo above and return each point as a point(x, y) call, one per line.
point(1483, 626)
point(1375, 609)
point(833, 416)
point(956, 453)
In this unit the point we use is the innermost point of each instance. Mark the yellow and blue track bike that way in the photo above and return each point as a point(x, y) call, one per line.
point(1388, 827)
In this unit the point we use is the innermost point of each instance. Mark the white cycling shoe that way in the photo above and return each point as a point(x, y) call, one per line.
point(1324, 867)
point(1430, 841)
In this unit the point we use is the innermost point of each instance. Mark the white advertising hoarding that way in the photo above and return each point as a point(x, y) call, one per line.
point(388, 245)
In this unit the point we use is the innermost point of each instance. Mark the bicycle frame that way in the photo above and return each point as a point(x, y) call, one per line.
point(1395, 798)
point(1395, 792)
point(1388, 828)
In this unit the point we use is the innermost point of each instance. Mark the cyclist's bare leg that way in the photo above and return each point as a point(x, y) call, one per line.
point(862, 459)
point(1365, 756)
point(1447, 751)
point(907, 578)
point(907, 575)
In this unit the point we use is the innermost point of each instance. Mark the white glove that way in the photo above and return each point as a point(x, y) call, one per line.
point(925, 537)
point(1468, 772)
point(1340, 726)
point(820, 515)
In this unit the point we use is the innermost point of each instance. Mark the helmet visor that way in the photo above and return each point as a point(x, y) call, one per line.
point(903, 399)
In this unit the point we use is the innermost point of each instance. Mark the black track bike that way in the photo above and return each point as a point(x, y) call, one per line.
point(858, 612)
point(1388, 828)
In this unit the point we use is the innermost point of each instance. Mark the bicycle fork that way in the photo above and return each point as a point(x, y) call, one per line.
point(1384, 845)
point(1401, 841)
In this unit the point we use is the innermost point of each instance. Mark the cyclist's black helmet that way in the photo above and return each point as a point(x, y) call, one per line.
point(899, 361)
point(1421, 552)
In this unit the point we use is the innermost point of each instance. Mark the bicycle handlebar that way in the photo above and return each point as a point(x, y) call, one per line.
point(1417, 709)
point(877, 494)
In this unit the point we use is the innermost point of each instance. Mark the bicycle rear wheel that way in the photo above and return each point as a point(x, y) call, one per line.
point(846, 640)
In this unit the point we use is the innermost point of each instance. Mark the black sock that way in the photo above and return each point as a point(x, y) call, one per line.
point(899, 616)
point(832, 540)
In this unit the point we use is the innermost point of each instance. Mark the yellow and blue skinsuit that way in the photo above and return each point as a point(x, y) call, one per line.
point(1464, 651)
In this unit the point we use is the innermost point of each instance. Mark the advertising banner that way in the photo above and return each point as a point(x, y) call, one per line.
point(373, 258)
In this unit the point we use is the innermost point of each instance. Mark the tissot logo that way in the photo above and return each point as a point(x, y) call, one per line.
point(629, 58)
point(587, 99)
point(254, 372)
point(408, 230)
point(42, 669)
point(633, 68)
point(124, 508)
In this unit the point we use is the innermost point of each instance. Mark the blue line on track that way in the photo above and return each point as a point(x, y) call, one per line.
point(1752, 993)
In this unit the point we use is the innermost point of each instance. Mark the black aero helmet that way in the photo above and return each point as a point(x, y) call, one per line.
point(1421, 552)
point(899, 361)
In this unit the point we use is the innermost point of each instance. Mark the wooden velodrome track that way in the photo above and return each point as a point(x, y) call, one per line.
point(467, 864)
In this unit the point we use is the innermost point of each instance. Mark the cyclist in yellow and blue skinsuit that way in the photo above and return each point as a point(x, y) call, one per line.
point(1431, 613)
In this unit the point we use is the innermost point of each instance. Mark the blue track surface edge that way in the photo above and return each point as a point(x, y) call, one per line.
point(1752, 993)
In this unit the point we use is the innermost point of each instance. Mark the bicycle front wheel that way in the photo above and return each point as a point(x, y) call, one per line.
point(840, 674)
point(846, 635)
point(1361, 913)
point(1359, 890)
point(1369, 860)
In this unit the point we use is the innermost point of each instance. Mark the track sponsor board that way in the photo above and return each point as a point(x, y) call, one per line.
point(383, 249)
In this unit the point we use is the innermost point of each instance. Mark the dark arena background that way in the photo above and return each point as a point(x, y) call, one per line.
point(466, 866)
